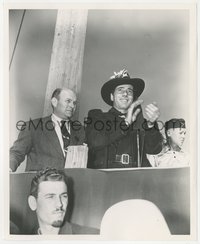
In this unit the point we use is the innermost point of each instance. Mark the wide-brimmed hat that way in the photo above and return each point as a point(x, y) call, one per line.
point(121, 78)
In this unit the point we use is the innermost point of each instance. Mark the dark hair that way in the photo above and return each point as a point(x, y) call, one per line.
point(56, 93)
point(173, 124)
point(49, 174)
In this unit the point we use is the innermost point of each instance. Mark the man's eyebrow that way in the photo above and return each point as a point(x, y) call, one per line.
point(49, 194)
point(124, 88)
point(69, 99)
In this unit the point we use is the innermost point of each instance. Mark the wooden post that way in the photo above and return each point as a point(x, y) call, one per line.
point(67, 54)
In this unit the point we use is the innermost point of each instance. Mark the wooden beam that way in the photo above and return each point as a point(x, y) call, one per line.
point(67, 54)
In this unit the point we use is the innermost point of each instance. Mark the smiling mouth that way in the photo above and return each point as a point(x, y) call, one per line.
point(59, 215)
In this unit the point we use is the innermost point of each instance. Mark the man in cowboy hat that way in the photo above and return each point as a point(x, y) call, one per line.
point(121, 137)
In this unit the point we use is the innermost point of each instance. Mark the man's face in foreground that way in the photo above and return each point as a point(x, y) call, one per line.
point(122, 97)
point(52, 203)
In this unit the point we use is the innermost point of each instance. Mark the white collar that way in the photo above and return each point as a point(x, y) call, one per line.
point(168, 149)
point(55, 118)
point(39, 231)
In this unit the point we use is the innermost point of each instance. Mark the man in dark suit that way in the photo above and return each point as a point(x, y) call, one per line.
point(121, 137)
point(45, 140)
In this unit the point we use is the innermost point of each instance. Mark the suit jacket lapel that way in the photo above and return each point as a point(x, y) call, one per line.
point(52, 135)
point(74, 138)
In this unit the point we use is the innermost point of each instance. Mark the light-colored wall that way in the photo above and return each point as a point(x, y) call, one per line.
point(30, 66)
point(151, 44)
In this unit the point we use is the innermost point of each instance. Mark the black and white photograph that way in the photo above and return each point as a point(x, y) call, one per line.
point(102, 122)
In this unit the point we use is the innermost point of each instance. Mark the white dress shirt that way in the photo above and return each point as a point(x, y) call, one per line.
point(169, 158)
point(173, 158)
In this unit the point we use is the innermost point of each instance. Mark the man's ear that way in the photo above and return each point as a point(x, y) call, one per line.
point(32, 203)
point(168, 133)
point(111, 97)
point(54, 102)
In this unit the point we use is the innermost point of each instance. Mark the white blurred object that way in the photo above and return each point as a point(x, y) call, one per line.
point(152, 159)
point(134, 219)
point(76, 156)
point(121, 74)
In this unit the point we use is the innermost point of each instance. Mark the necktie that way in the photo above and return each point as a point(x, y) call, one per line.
point(123, 116)
point(65, 135)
